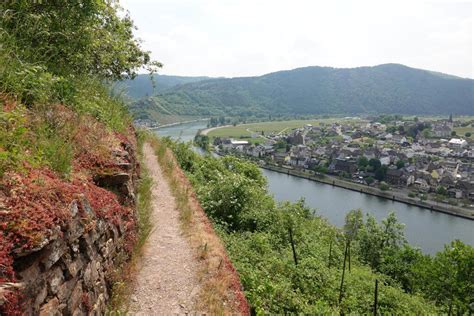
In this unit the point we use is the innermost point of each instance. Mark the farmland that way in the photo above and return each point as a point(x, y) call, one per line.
point(245, 131)
point(461, 131)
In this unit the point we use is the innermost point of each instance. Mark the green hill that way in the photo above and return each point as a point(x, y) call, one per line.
point(142, 85)
point(388, 88)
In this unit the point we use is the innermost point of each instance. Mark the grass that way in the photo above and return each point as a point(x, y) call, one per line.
point(179, 191)
point(461, 131)
point(144, 208)
point(121, 289)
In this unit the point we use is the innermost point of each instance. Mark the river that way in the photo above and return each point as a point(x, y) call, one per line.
point(426, 229)
point(184, 132)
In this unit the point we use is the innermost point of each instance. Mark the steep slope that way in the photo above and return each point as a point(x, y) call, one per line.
point(68, 167)
point(388, 88)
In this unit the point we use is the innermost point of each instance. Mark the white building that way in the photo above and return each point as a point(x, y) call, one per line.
point(457, 143)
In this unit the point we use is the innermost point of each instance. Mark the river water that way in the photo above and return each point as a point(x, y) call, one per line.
point(426, 229)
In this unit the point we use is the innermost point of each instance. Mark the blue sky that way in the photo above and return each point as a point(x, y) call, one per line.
point(253, 37)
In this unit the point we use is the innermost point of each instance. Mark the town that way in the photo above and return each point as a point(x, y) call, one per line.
point(423, 158)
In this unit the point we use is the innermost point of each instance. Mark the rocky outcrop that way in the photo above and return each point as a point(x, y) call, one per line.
point(123, 177)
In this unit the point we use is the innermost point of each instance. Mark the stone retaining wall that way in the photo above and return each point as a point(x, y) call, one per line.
point(71, 274)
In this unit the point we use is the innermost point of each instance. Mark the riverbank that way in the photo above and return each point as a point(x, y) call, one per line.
point(389, 195)
point(207, 130)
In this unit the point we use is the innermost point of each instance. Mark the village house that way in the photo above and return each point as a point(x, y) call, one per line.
point(399, 177)
point(422, 185)
point(457, 143)
point(339, 165)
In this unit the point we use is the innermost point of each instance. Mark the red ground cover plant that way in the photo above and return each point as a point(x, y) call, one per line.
point(35, 202)
point(10, 297)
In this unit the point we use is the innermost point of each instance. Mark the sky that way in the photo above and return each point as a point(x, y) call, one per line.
point(227, 38)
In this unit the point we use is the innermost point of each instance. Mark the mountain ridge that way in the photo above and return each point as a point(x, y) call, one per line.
point(314, 90)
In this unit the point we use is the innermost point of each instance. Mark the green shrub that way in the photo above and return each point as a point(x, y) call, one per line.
point(54, 150)
point(14, 139)
point(255, 231)
point(384, 186)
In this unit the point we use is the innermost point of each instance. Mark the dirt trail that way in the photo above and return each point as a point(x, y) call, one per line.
point(166, 283)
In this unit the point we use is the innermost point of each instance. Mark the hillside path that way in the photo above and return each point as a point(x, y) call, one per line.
point(166, 282)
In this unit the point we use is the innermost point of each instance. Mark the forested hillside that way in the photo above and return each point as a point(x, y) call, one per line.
point(143, 85)
point(389, 88)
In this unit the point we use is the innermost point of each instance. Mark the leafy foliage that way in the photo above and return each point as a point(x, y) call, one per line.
point(255, 230)
point(86, 37)
point(65, 52)
point(448, 277)
point(58, 52)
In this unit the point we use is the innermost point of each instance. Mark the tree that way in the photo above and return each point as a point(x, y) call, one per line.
point(384, 186)
point(468, 134)
point(400, 164)
point(378, 241)
point(353, 223)
point(441, 190)
point(202, 141)
point(320, 169)
point(453, 133)
point(426, 133)
point(84, 37)
point(394, 236)
point(221, 120)
point(362, 162)
point(391, 129)
point(370, 242)
point(369, 180)
point(375, 163)
point(380, 173)
point(213, 122)
point(399, 265)
point(448, 277)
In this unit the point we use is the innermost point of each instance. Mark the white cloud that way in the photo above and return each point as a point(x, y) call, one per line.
point(251, 37)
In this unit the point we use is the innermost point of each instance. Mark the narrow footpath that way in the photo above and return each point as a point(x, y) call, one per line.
point(166, 282)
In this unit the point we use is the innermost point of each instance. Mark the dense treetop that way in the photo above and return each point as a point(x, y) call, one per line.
point(83, 36)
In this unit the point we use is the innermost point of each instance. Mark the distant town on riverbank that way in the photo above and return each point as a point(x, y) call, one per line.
point(425, 158)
